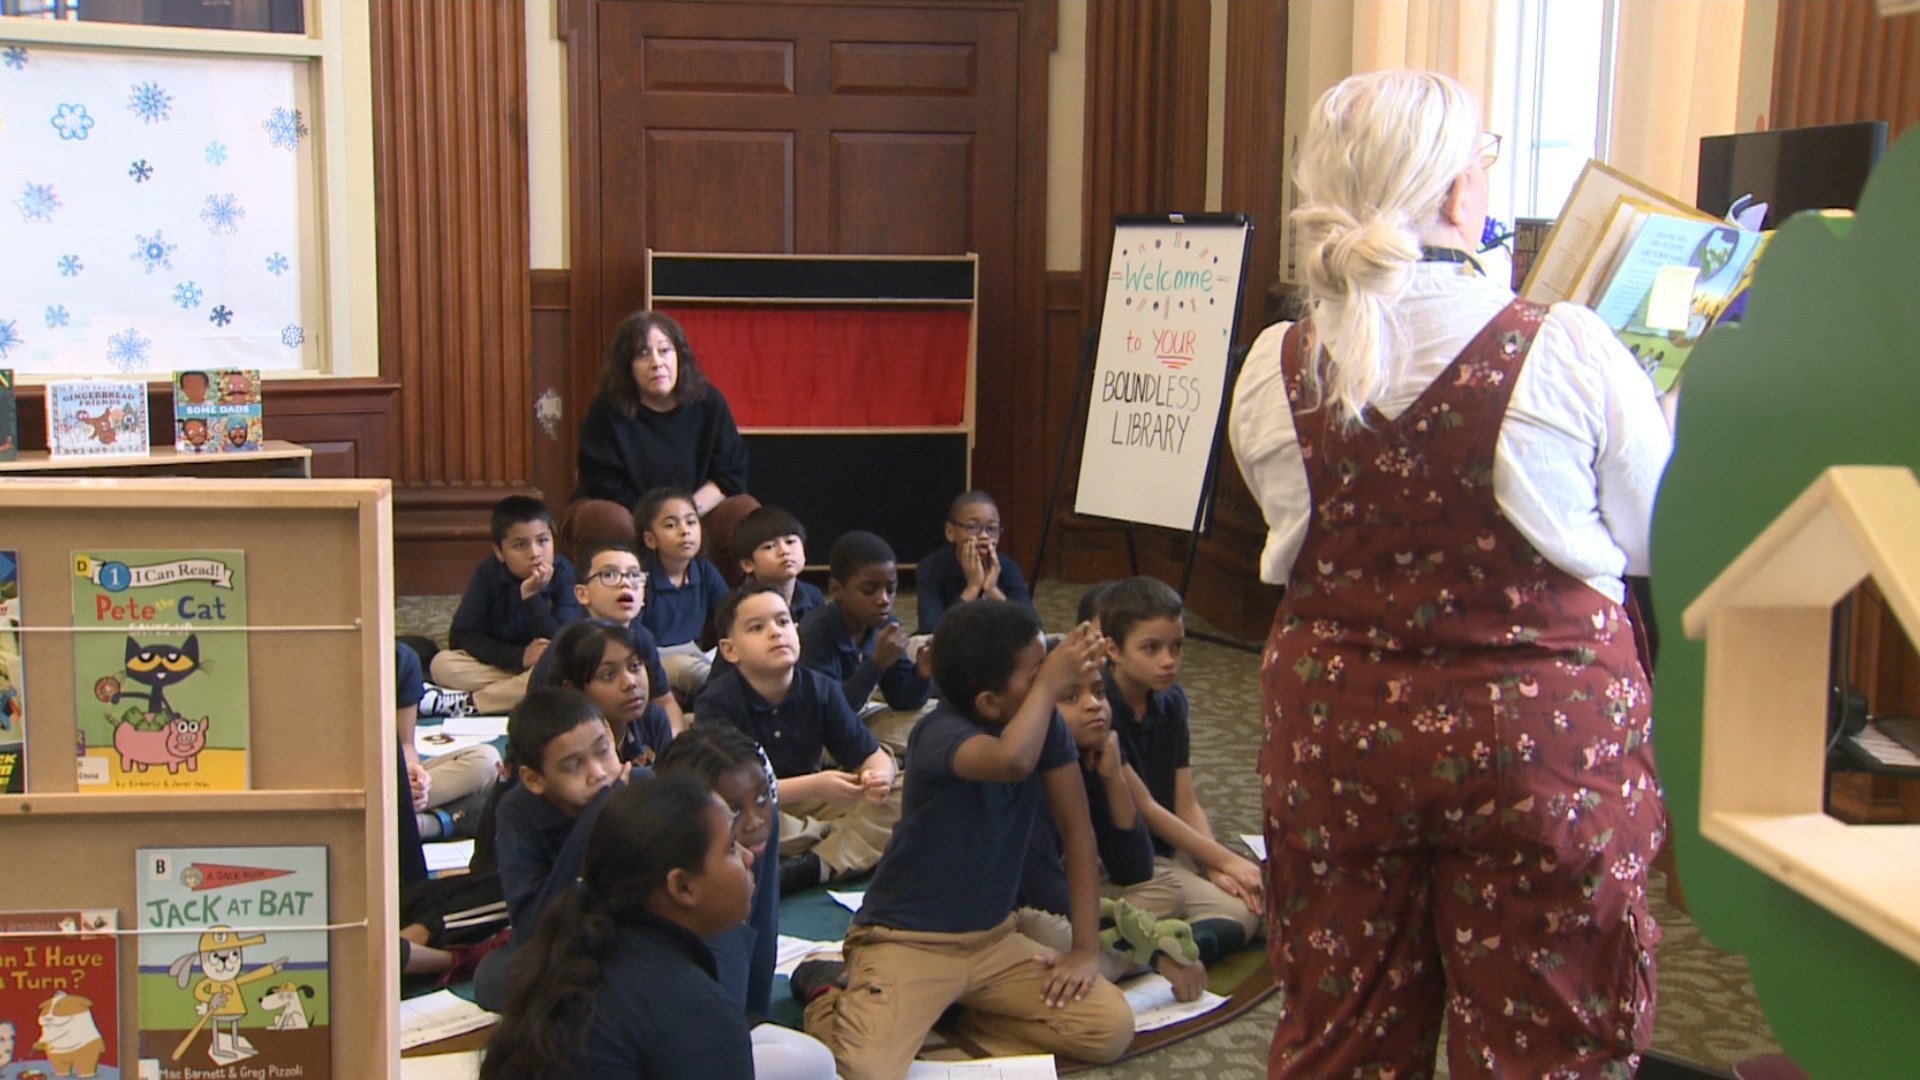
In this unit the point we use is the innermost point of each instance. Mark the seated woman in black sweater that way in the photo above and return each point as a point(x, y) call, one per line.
point(655, 422)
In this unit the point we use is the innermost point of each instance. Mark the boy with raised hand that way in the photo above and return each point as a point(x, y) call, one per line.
point(518, 598)
point(771, 545)
point(937, 926)
point(1220, 892)
point(613, 586)
point(855, 640)
point(833, 822)
point(969, 566)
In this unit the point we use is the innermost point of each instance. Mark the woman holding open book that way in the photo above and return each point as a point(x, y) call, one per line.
point(1460, 803)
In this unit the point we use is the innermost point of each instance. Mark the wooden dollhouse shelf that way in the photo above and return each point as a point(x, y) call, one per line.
point(67, 803)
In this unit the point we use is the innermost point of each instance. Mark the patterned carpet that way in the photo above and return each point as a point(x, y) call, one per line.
point(1707, 1011)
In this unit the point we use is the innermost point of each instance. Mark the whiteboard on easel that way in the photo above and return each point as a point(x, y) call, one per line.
point(1160, 380)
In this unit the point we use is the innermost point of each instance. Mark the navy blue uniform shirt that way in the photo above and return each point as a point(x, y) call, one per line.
point(954, 863)
point(805, 599)
point(540, 851)
point(1125, 854)
point(814, 717)
point(677, 613)
point(939, 581)
point(494, 626)
point(409, 681)
point(649, 655)
point(1156, 744)
point(827, 646)
point(658, 1014)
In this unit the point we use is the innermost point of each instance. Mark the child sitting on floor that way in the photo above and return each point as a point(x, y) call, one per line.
point(772, 547)
point(937, 926)
point(834, 822)
point(618, 981)
point(683, 588)
point(602, 660)
point(855, 640)
point(969, 566)
point(613, 586)
point(1219, 892)
point(1120, 837)
point(518, 598)
point(562, 753)
point(724, 759)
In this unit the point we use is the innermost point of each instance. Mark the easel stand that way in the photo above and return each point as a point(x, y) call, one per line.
point(1083, 383)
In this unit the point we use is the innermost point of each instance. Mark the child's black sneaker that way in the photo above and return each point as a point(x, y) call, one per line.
point(811, 978)
point(440, 701)
point(799, 873)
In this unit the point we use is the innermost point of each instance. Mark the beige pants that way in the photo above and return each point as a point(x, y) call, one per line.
point(1199, 899)
point(1056, 933)
point(848, 839)
point(494, 690)
point(687, 668)
point(900, 981)
point(893, 726)
point(461, 773)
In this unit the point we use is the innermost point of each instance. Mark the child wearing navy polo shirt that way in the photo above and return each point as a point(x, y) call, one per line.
point(601, 659)
point(613, 586)
point(619, 982)
point(937, 926)
point(564, 760)
point(1220, 893)
point(969, 566)
point(855, 639)
point(833, 822)
point(518, 599)
point(772, 547)
point(683, 588)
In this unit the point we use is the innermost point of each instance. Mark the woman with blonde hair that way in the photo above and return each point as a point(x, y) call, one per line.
point(1460, 802)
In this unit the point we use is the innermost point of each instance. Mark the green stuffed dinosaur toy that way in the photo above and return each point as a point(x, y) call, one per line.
point(1138, 934)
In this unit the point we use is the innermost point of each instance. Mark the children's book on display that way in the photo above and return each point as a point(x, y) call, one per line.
point(9, 418)
point(59, 995)
point(13, 700)
point(96, 418)
point(233, 976)
point(160, 669)
point(216, 411)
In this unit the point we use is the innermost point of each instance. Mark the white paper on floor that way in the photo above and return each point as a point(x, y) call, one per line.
point(439, 1015)
point(1027, 1067)
point(1153, 1006)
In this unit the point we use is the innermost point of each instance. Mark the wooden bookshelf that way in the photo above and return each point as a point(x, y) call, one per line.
point(321, 685)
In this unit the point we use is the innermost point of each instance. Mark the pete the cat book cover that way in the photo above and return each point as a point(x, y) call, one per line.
point(216, 411)
point(59, 994)
point(160, 669)
point(13, 701)
point(233, 963)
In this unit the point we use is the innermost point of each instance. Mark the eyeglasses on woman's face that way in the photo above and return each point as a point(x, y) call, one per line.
point(1489, 151)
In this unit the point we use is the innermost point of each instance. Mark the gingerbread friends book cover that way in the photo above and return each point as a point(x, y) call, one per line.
point(160, 669)
point(97, 418)
point(59, 995)
point(233, 963)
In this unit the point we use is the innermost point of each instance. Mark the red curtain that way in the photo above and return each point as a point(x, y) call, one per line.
point(834, 366)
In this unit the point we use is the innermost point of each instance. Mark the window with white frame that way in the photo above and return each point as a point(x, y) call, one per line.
point(1552, 92)
point(186, 196)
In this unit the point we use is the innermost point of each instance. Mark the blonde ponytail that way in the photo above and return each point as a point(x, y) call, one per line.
point(1380, 156)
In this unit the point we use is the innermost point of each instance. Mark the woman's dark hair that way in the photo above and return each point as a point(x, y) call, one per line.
point(545, 714)
point(580, 648)
point(647, 829)
point(615, 382)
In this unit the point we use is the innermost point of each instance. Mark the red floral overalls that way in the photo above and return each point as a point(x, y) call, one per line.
point(1460, 802)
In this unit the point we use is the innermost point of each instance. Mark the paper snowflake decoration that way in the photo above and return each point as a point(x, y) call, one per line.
point(14, 57)
point(70, 265)
point(276, 264)
point(56, 316)
point(9, 337)
point(222, 214)
point(37, 202)
point(140, 171)
point(221, 315)
point(292, 336)
point(72, 122)
point(153, 252)
point(216, 153)
point(149, 102)
point(127, 350)
point(284, 128)
point(187, 295)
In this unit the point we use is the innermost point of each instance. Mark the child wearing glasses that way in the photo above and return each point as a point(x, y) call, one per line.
point(613, 586)
point(970, 565)
point(518, 599)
